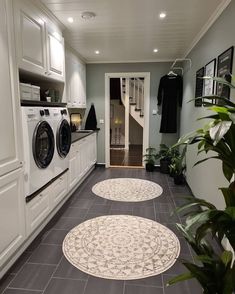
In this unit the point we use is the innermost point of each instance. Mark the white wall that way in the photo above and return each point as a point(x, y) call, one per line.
point(206, 178)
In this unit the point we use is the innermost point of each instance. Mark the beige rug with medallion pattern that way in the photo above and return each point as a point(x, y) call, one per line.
point(127, 189)
point(121, 247)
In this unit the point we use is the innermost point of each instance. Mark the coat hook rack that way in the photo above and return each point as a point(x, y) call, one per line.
point(179, 60)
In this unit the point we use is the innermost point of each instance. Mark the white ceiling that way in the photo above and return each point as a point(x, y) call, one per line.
point(129, 30)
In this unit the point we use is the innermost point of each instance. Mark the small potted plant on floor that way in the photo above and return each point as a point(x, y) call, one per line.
point(165, 155)
point(178, 167)
point(149, 159)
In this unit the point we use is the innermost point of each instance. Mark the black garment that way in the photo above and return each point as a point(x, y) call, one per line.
point(170, 94)
point(91, 121)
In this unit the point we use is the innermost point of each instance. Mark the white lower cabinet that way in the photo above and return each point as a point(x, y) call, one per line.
point(82, 158)
point(60, 189)
point(12, 217)
point(38, 209)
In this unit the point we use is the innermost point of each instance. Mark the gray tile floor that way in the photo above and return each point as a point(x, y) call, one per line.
point(42, 268)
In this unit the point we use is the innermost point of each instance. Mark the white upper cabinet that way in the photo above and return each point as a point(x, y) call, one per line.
point(55, 54)
point(75, 81)
point(39, 44)
point(30, 37)
point(10, 133)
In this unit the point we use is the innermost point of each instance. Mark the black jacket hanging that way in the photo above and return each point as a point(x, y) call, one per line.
point(170, 95)
point(91, 121)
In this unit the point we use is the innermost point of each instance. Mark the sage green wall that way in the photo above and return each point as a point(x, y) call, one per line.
point(96, 95)
point(205, 179)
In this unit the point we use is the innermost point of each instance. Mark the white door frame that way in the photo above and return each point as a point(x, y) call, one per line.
point(108, 76)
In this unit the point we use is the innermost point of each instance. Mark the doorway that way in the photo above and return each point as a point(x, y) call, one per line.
point(127, 118)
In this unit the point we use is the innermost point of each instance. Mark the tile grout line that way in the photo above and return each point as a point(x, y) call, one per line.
point(52, 275)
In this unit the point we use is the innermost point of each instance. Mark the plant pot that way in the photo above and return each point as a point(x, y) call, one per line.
point(149, 167)
point(179, 179)
point(164, 165)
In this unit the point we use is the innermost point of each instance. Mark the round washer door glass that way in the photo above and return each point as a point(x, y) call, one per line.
point(43, 144)
point(63, 138)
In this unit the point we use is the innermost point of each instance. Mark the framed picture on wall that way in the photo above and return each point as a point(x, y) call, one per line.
point(199, 87)
point(224, 70)
point(209, 85)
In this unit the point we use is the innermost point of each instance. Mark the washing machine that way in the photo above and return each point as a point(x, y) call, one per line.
point(62, 132)
point(39, 147)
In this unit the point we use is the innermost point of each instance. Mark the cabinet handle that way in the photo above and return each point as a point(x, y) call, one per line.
point(61, 179)
point(49, 73)
point(41, 195)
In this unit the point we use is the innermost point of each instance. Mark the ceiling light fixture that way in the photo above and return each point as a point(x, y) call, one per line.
point(88, 15)
point(155, 50)
point(97, 52)
point(70, 19)
point(162, 15)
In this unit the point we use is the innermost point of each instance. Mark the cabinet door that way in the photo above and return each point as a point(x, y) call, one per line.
point(12, 218)
point(30, 36)
point(75, 85)
point(38, 209)
point(83, 85)
point(68, 78)
point(10, 121)
point(55, 52)
point(73, 178)
point(60, 187)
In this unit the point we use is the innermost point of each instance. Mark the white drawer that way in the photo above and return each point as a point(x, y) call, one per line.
point(38, 209)
point(60, 188)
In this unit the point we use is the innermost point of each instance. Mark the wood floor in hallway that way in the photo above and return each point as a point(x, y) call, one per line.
point(131, 157)
point(43, 269)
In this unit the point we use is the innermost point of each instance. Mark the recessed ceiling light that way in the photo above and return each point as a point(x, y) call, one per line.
point(155, 50)
point(70, 19)
point(87, 15)
point(97, 52)
point(162, 15)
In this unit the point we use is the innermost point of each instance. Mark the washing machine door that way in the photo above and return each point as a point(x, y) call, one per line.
point(63, 138)
point(43, 144)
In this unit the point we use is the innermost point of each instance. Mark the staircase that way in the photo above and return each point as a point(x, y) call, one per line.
point(136, 98)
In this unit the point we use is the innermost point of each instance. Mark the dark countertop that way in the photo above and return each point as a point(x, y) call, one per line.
point(76, 136)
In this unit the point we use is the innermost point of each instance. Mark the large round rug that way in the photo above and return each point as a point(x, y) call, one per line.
point(121, 247)
point(127, 189)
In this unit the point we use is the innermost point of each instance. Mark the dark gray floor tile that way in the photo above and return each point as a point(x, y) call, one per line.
point(164, 207)
point(121, 211)
point(5, 281)
point(67, 270)
point(133, 289)
point(164, 217)
point(99, 208)
point(20, 262)
point(93, 215)
point(178, 267)
point(46, 254)
point(55, 237)
point(151, 281)
point(103, 286)
point(184, 247)
point(122, 205)
point(33, 277)
point(75, 212)
point(147, 212)
point(82, 203)
point(65, 286)
point(101, 201)
point(18, 291)
point(67, 223)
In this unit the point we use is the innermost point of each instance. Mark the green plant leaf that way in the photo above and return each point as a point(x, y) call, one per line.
point(219, 130)
point(180, 278)
point(227, 170)
point(227, 257)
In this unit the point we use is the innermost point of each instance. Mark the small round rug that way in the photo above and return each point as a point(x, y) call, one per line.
point(127, 189)
point(121, 247)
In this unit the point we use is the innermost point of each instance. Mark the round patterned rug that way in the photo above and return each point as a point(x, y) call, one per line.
point(127, 189)
point(121, 247)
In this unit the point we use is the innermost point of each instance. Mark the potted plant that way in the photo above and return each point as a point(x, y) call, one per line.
point(149, 159)
point(178, 167)
point(165, 155)
point(215, 272)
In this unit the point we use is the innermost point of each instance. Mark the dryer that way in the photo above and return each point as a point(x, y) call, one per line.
point(62, 132)
point(39, 147)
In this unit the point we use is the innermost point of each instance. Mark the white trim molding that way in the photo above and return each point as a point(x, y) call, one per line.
point(208, 24)
point(146, 76)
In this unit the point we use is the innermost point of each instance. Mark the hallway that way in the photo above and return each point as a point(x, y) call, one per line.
point(44, 269)
point(131, 157)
